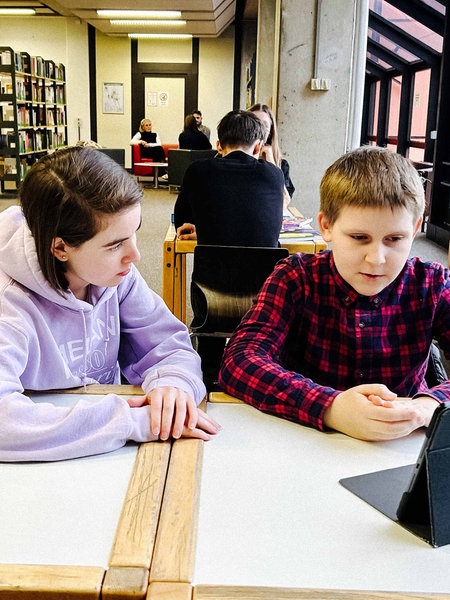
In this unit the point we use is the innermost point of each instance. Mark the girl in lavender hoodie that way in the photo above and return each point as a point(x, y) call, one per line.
point(74, 310)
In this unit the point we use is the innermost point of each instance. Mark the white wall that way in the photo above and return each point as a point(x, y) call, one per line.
point(215, 83)
point(113, 57)
point(62, 40)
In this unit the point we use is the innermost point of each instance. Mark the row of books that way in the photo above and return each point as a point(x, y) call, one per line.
point(34, 65)
point(42, 139)
point(32, 140)
point(37, 116)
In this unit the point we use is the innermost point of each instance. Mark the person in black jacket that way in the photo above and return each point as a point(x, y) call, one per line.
point(191, 138)
point(235, 199)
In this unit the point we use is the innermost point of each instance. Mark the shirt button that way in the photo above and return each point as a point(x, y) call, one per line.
point(361, 325)
point(376, 301)
point(347, 300)
point(360, 374)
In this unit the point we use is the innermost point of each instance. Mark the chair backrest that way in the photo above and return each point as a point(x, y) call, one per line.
point(225, 282)
point(179, 160)
point(117, 154)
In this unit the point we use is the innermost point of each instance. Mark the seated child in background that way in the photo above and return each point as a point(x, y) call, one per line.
point(76, 311)
point(341, 339)
point(235, 199)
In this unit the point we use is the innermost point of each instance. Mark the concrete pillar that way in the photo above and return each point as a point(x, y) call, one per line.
point(316, 127)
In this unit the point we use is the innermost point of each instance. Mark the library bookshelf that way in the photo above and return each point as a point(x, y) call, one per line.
point(33, 113)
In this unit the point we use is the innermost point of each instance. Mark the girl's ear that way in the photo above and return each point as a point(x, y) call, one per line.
point(324, 226)
point(58, 249)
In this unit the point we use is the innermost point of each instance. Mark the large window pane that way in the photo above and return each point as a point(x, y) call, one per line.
point(412, 27)
point(419, 113)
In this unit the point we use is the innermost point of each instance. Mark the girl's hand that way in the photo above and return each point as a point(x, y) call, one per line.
point(173, 413)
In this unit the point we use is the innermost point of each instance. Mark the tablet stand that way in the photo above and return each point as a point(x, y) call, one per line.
point(425, 509)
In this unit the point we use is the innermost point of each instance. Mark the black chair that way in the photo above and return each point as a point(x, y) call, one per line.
point(225, 282)
point(117, 154)
point(179, 160)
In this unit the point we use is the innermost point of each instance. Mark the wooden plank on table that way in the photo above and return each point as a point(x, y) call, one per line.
point(136, 531)
point(174, 555)
point(32, 582)
point(169, 591)
point(124, 583)
point(100, 389)
point(224, 398)
point(211, 592)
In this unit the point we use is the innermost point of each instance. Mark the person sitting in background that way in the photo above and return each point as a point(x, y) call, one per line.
point(150, 144)
point(191, 138)
point(233, 200)
point(271, 149)
point(199, 120)
point(76, 311)
point(341, 340)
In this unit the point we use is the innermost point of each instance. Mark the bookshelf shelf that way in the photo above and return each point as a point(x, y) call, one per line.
point(33, 114)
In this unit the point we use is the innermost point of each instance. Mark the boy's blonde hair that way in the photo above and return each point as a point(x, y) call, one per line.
point(371, 177)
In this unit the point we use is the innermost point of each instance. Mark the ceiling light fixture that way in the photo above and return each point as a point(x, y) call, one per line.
point(17, 11)
point(161, 36)
point(140, 14)
point(149, 22)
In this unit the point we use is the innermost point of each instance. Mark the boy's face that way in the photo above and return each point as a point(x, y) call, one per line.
point(370, 245)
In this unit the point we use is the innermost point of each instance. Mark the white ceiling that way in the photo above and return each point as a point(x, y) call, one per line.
point(204, 18)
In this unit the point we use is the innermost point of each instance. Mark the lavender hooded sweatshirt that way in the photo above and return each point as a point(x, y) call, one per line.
point(49, 341)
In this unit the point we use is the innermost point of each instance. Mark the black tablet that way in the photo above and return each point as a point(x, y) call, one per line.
point(414, 505)
point(416, 496)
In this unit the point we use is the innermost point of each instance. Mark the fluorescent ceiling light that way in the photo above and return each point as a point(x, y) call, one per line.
point(150, 22)
point(161, 36)
point(17, 11)
point(140, 14)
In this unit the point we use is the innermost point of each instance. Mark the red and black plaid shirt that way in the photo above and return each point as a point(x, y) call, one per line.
point(310, 336)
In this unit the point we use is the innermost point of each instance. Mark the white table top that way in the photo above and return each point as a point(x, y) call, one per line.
point(63, 513)
point(272, 511)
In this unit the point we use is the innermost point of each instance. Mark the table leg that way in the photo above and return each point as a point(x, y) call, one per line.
point(168, 274)
point(155, 171)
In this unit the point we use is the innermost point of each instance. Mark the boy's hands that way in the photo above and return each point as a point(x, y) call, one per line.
point(372, 412)
point(173, 413)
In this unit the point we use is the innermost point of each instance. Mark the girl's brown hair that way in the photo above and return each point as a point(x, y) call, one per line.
point(65, 194)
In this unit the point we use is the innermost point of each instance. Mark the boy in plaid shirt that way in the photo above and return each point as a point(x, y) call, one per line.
point(340, 340)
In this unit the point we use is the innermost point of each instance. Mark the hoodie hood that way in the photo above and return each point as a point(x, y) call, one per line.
point(19, 261)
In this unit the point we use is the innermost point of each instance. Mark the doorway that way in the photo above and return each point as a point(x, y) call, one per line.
point(164, 99)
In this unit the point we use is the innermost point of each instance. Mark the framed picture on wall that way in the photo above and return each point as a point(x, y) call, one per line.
point(113, 98)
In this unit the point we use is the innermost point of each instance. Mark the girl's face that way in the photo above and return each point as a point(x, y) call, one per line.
point(105, 259)
point(147, 126)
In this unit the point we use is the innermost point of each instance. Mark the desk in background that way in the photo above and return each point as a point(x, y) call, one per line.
point(155, 166)
point(174, 265)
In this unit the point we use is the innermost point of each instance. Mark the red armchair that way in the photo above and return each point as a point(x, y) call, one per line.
point(143, 171)
point(140, 170)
